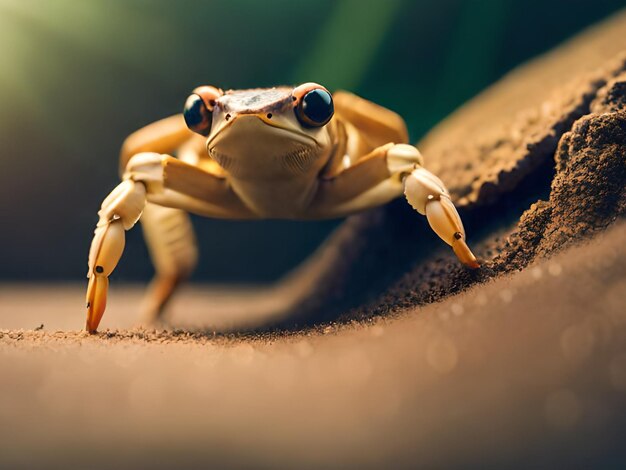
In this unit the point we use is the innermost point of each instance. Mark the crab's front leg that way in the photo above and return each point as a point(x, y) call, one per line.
point(427, 194)
point(119, 212)
point(162, 180)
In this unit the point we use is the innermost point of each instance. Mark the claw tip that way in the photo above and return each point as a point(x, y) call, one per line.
point(464, 254)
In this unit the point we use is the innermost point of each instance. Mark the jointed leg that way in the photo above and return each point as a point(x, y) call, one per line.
point(169, 182)
point(174, 252)
point(428, 196)
point(168, 232)
point(384, 174)
point(119, 212)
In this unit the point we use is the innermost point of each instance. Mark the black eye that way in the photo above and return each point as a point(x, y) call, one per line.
point(197, 116)
point(315, 108)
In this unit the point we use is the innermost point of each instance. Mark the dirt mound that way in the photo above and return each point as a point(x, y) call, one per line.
point(528, 183)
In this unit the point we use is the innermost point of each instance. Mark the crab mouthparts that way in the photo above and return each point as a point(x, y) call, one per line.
point(252, 149)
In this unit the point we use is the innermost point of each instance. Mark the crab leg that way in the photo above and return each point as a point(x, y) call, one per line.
point(381, 176)
point(119, 212)
point(107, 248)
point(162, 180)
point(428, 195)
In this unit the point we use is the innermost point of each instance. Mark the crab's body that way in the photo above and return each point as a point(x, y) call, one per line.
point(263, 153)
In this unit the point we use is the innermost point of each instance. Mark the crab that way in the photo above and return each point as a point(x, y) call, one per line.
point(282, 152)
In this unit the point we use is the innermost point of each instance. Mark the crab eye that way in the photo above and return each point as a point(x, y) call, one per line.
point(198, 112)
point(197, 116)
point(315, 108)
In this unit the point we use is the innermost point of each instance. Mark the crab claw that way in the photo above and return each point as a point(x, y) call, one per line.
point(96, 301)
point(106, 251)
point(427, 195)
point(445, 222)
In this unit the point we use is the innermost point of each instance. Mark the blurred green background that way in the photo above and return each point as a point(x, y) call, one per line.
point(77, 77)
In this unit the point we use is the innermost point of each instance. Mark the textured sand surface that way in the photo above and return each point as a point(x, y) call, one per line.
point(528, 369)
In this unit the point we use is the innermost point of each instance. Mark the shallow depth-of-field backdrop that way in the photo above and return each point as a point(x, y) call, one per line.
point(77, 77)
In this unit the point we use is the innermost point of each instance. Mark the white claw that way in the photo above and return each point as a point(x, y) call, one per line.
point(444, 219)
point(106, 248)
point(427, 195)
point(104, 254)
point(119, 212)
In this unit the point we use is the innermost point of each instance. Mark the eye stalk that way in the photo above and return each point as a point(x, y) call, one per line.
point(313, 105)
point(198, 111)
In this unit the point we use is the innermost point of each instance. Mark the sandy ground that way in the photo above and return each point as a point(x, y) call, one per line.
point(529, 369)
